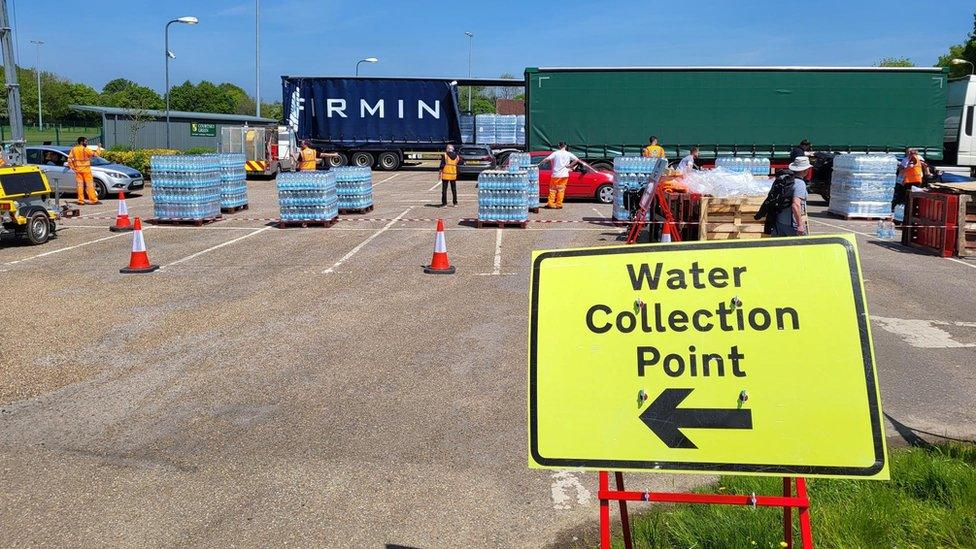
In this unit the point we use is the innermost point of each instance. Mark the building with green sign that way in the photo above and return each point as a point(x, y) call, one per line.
point(146, 129)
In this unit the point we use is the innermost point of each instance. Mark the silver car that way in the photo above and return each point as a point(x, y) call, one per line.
point(109, 178)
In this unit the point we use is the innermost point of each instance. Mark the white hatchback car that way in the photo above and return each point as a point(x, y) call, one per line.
point(110, 178)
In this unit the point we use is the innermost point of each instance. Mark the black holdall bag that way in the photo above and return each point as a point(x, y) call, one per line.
point(780, 196)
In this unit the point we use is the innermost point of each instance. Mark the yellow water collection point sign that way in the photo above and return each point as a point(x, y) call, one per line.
point(743, 357)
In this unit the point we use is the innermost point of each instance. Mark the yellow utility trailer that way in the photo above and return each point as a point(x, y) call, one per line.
point(25, 204)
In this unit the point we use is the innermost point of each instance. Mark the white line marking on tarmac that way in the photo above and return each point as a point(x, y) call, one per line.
point(599, 213)
point(956, 260)
point(497, 270)
point(187, 228)
point(59, 250)
point(564, 481)
point(387, 179)
point(212, 248)
point(355, 250)
point(920, 333)
point(840, 227)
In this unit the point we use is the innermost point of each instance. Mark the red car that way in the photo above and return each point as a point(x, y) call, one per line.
point(585, 181)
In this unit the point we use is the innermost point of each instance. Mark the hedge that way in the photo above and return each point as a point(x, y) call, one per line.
point(137, 159)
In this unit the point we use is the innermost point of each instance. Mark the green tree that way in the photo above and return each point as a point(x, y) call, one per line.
point(894, 62)
point(243, 103)
point(129, 95)
point(273, 111)
point(203, 97)
point(966, 50)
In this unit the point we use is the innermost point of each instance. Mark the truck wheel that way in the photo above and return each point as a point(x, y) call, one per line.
point(604, 194)
point(361, 159)
point(336, 161)
point(388, 161)
point(38, 228)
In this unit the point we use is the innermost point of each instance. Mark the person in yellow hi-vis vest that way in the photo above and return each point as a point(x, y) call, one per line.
point(653, 150)
point(308, 157)
point(449, 173)
point(79, 161)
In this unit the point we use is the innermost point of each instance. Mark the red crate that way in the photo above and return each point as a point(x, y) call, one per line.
point(932, 222)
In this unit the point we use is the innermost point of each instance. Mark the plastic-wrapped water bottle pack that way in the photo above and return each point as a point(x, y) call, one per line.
point(506, 129)
point(520, 135)
point(308, 196)
point(519, 161)
point(862, 185)
point(186, 186)
point(631, 173)
point(485, 129)
point(233, 180)
point(354, 187)
point(503, 196)
point(467, 128)
point(744, 164)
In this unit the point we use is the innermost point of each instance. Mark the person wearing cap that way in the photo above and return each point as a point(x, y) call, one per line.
point(912, 171)
point(653, 149)
point(789, 221)
point(308, 157)
point(449, 173)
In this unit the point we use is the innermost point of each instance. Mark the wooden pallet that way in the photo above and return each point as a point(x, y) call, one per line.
point(347, 211)
point(235, 209)
point(192, 222)
point(730, 218)
point(502, 224)
point(966, 235)
point(534, 210)
point(282, 224)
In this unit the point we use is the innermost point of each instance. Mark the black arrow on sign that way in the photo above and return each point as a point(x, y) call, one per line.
point(666, 420)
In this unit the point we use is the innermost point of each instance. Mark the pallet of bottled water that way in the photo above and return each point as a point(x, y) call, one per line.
point(503, 197)
point(756, 166)
point(308, 196)
point(354, 187)
point(520, 135)
point(484, 129)
point(506, 129)
point(631, 173)
point(862, 185)
point(467, 128)
point(519, 161)
point(185, 187)
point(233, 182)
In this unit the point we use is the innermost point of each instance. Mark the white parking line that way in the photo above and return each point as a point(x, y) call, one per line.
point(177, 227)
point(438, 184)
point(840, 227)
point(212, 248)
point(59, 250)
point(599, 213)
point(961, 262)
point(360, 246)
point(387, 179)
point(497, 270)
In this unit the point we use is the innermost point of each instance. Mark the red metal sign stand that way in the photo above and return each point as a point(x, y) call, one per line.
point(787, 501)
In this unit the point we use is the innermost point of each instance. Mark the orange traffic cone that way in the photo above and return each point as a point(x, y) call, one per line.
point(122, 222)
point(439, 264)
point(666, 232)
point(139, 260)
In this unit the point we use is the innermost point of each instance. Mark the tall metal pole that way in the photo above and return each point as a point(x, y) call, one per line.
point(37, 69)
point(470, 46)
point(13, 89)
point(167, 79)
point(257, 55)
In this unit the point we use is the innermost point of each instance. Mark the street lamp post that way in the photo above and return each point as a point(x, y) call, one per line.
point(257, 55)
point(470, 36)
point(972, 68)
point(37, 69)
point(187, 20)
point(367, 60)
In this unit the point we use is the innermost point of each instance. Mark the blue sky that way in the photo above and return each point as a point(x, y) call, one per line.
point(94, 41)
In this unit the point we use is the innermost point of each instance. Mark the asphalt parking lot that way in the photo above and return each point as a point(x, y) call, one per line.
point(312, 386)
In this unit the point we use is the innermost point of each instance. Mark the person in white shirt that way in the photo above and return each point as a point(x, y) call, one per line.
point(688, 163)
point(562, 161)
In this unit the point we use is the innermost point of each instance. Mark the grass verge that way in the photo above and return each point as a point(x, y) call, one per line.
point(930, 501)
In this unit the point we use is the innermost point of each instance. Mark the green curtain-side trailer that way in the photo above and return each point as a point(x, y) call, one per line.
point(603, 112)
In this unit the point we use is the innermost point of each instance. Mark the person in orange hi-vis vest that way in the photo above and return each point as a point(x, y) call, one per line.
point(79, 160)
point(308, 157)
point(449, 173)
